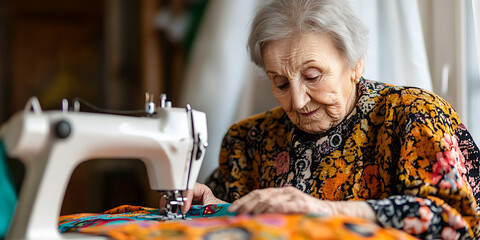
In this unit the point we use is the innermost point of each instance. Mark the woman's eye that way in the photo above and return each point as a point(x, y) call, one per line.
point(281, 83)
point(312, 74)
point(283, 86)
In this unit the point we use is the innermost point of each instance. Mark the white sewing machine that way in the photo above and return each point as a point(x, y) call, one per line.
point(170, 141)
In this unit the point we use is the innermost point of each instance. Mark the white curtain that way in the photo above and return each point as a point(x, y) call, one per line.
point(476, 24)
point(221, 80)
point(218, 70)
point(396, 52)
point(473, 66)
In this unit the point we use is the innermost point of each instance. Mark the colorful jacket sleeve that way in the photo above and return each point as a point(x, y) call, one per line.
point(437, 173)
point(232, 179)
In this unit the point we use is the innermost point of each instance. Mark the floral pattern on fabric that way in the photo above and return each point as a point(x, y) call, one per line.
point(420, 217)
point(470, 153)
point(282, 163)
point(449, 166)
point(397, 141)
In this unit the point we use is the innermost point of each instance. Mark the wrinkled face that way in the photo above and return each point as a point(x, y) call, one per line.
point(311, 80)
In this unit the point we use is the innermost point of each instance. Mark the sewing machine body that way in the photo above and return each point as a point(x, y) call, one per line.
point(51, 144)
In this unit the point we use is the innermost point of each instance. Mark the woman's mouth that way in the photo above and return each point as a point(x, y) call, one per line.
point(309, 114)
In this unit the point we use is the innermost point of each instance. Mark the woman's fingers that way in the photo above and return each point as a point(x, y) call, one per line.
point(239, 205)
point(162, 202)
point(245, 208)
point(279, 200)
point(189, 195)
point(200, 194)
point(248, 203)
point(211, 199)
point(263, 207)
point(188, 201)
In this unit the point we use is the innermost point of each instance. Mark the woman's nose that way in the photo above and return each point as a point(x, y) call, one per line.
point(299, 96)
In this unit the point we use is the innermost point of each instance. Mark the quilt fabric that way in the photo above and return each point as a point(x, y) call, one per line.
point(215, 222)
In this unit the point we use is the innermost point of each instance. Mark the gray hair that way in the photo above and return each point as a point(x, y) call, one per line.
point(283, 18)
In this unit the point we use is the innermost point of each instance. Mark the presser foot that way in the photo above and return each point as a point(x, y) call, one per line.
point(174, 202)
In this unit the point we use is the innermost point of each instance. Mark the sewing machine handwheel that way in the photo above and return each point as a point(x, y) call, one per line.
point(63, 129)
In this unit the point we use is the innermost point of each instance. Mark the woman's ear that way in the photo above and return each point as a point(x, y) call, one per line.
point(358, 71)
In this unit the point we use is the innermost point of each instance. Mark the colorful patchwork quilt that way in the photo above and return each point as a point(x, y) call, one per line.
point(215, 222)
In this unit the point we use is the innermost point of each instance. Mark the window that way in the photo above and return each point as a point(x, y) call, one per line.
point(472, 72)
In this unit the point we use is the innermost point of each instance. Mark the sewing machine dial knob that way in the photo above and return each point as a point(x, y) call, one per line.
point(62, 129)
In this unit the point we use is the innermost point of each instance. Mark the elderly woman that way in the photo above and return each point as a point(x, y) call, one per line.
point(341, 144)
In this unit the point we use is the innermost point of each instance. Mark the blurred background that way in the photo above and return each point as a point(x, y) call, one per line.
point(110, 52)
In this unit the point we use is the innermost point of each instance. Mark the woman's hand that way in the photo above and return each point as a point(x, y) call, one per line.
point(200, 194)
point(292, 200)
point(280, 200)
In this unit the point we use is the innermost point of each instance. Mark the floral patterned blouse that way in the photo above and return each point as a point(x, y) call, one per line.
point(402, 149)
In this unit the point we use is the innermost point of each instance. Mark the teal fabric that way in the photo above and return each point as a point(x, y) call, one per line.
point(8, 197)
point(128, 213)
